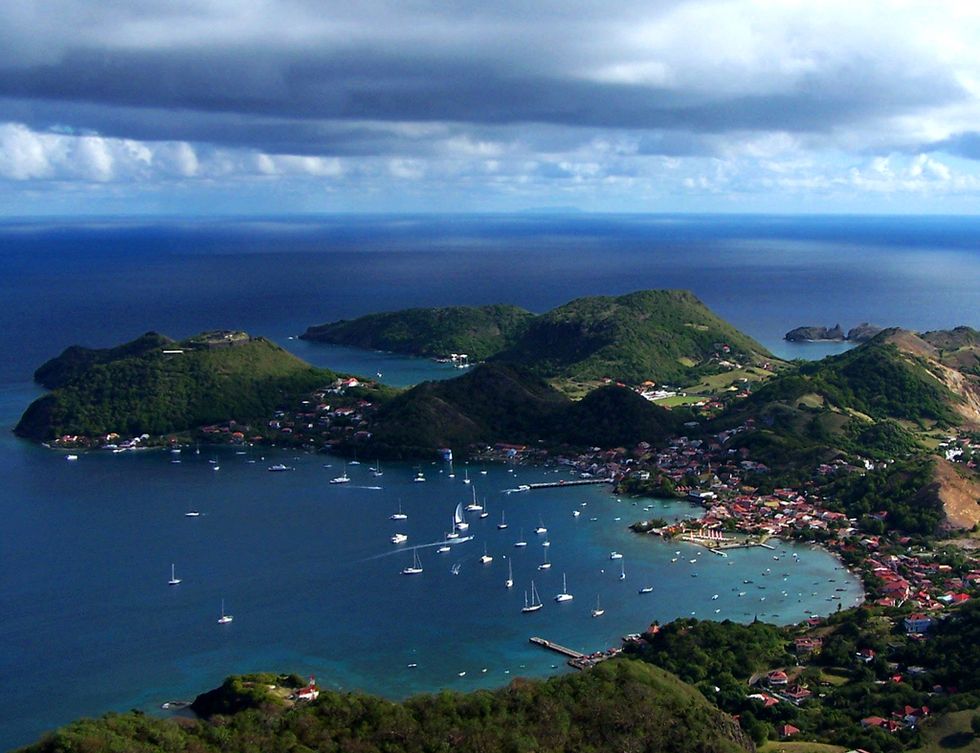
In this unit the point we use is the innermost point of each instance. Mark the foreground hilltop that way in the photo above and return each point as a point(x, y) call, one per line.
point(660, 335)
point(619, 705)
point(156, 385)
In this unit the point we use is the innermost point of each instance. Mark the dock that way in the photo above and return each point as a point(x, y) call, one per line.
point(576, 659)
point(563, 483)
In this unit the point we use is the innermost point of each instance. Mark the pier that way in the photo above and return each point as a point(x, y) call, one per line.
point(576, 482)
point(576, 659)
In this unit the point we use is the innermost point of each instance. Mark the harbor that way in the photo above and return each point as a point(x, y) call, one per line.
point(576, 659)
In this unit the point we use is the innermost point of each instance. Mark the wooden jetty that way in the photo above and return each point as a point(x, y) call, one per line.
point(564, 650)
point(575, 482)
point(576, 659)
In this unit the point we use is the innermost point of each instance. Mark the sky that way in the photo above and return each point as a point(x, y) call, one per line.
point(199, 107)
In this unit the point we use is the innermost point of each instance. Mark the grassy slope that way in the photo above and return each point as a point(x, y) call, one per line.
point(478, 331)
point(620, 705)
point(650, 334)
point(157, 394)
point(502, 403)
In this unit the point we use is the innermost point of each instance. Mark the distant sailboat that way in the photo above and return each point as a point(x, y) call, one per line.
point(398, 515)
point(458, 518)
point(416, 566)
point(474, 506)
point(520, 540)
point(484, 513)
point(540, 529)
point(598, 611)
point(503, 521)
point(342, 479)
point(486, 559)
point(453, 534)
point(224, 619)
point(545, 565)
point(376, 471)
point(509, 583)
point(174, 580)
point(419, 477)
point(535, 604)
point(564, 595)
point(466, 475)
point(192, 514)
point(622, 570)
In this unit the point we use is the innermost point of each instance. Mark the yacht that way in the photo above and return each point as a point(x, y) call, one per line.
point(545, 565)
point(520, 540)
point(615, 556)
point(419, 477)
point(224, 619)
point(474, 506)
point(540, 529)
point(398, 515)
point(376, 471)
point(535, 604)
point(564, 595)
point(279, 468)
point(459, 520)
point(444, 548)
point(192, 514)
point(399, 538)
point(71, 457)
point(598, 611)
point(174, 580)
point(343, 478)
point(466, 476)
point(646, 590)
point(416, 566)
point(486, 559)
point(509, 583)
point(503, 522)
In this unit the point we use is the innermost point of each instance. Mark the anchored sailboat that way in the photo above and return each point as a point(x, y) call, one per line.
point(503, 522)
point(174, 580)
point(416, 566)
point(564, 595)
point(458, 518)
point(535, 604)
point(224, 619)
point(509, 583)
point(598, 611)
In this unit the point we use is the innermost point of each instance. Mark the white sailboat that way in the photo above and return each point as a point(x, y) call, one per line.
point(416, 566)
point(484, 513)
point(520, 540)
point(399, 538)
point(503, 522)
point(458, 519)
point(564, 595)
point(398, 515)
point(622, 570)
point(224, 619)
point(486, 559)
point(540, 529)
point(376, 471)
point(453, 534)
point(509, 583)
point(174, 580)
point(474, 506)
point(535, 604)
point(466, 475)
point(545, 565)
point(598, 611)
point(342, 479)
point(419, 477)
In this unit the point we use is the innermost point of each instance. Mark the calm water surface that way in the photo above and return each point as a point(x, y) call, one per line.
point(307, 568)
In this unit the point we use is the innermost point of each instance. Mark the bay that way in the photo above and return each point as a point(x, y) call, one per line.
point(306, 567)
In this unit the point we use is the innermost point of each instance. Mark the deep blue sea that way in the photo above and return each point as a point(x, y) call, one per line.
point(307, 568)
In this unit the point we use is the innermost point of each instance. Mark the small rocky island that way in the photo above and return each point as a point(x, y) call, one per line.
point(859, 334)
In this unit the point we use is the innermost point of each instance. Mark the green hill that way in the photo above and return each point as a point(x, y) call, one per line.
point(497, 402)
point(617, 706)
point(478, 331)
point(139, 388)
point(663, 335)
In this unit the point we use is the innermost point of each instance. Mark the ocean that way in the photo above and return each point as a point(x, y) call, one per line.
point(307, 567)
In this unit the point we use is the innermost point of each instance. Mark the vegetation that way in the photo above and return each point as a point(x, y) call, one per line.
point(478, 331)
point(139, 389)
point(75, 360)
point(501, 403)
point(619, 705)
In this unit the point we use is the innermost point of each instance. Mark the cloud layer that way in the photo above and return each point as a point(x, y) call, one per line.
point(638, 105)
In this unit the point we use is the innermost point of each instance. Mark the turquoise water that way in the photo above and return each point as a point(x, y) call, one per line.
point(307, 568)
point(314, 584)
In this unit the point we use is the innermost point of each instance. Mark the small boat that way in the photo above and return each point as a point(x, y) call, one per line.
point(622, 570)
point(419, 477)
point(280, 467)
point(215, 467)
point(474, 506)
point(343, 478)
point(546, 542)
point(453, 534)
point(540, 529)
point(564, 595)
point(646, 590)
point(399, 538)
point(615, 556)
point(444, 548)
point(503, 522)
point(376, 471)
point(398, 515)
point(483, 471)
point(192, 514)
point(73, 457)
point(483, 512)
point(715, 597)
point(509, 583)
point(576, 513)
point(486, 559)
point(466, 476)
point(459, 520)
point(174, 580)
point(598, 611)
point(545, 565)
point(416, 567)
point(520, 540)
point(535, 604)
point(224, 619)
